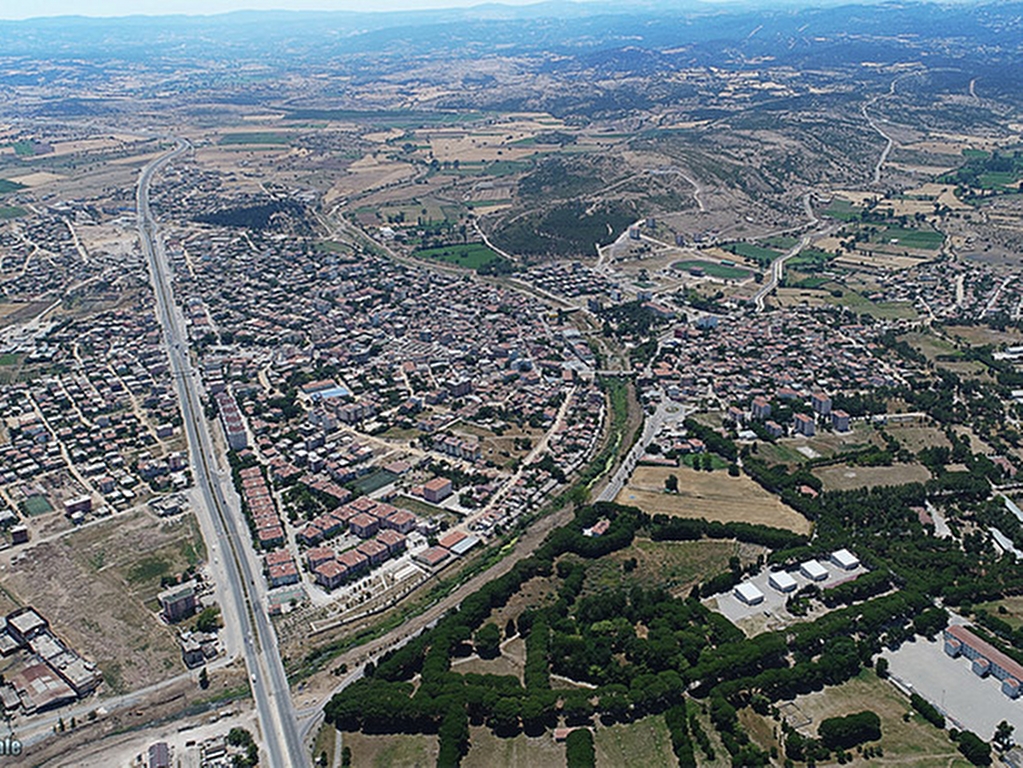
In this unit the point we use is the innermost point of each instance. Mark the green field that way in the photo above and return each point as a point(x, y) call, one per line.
point(971, 153)
point(469, 255)
point(810, 259)
point(375, 481)
point(842, 210)
point(11, 211)
point(256, 137)
point(9, 186)
point(994, 179)
point(912, 238)
point(23, 148)
point(781, 241)
point(506, 167)
point(9, 359)
point(36, 505)
point(757, 253)
point(713, 269)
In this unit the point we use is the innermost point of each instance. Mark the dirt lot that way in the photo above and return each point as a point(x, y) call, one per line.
point(915, 743)
point(846, 477)
point(415, 750)
point(645, 741)
point(97, 586)
point(914, 438)
point(711, 495)
point(487, 750)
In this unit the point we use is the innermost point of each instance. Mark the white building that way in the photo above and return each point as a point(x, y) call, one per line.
point(845, 559)
point(749, 594)
point(813, 570)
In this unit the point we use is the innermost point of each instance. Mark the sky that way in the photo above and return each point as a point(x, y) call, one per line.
point(19, 9)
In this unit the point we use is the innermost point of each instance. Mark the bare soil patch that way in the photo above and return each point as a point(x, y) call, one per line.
point(710, 495)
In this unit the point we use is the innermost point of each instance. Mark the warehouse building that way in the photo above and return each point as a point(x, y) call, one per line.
point(782, 581)
point(749, 594)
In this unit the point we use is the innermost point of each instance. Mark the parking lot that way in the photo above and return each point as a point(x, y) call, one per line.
point(972, 703)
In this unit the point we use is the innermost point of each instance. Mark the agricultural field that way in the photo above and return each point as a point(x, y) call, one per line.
point(110, 616)
point(923, 239)
point(469, 256)
point(713, 269)
point(846, 477)
point(254, 137)
point(710, 495)
point(11, 211)
point(9, 186)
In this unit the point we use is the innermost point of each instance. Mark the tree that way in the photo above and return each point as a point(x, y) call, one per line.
point(488, 641)
point(579, 752)
point(1003, 736)
point(974, 749)
point(671, 484)
point(204, 679)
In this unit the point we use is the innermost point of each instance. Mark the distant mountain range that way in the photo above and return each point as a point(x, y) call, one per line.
point(557, 27)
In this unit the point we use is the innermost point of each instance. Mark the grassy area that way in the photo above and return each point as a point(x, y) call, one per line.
point(846, 478)
point(11, 211)
point(690, 459)
point(329, 246)
point(757, 253)
point(487, 750)
point(908, 742)
point(912, 238)
point(713, 269)
point(391, 751)
point(6, 185)
point(781, 241)
point(646, 739)
point(23, 148)
point(995, 179)
point(469, 255)
point(880, 310)
point(809, 258)
point(36, 505)
point(326, 743)
point(255, 137)
point(417, 506)
point(375, 481)
point(842, 210)
point(972, 153)
point(506, 167)
point(677, 565)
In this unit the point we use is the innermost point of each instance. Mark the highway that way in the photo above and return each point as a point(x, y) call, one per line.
point(240, 583)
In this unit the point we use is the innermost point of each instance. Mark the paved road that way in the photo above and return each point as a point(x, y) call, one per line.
point(239, 589)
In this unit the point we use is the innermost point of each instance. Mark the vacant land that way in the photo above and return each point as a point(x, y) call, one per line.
point(915, 742)
point(847, 477)
point(623, 743)
point(711, 495)
point(470, 256)
point(487, 750)
point(713, 269)
point(915, 438)
point(97, 586)
point(392, 751)
point(677, 565)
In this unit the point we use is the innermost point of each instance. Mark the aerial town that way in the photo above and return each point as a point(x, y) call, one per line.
point(574, 402)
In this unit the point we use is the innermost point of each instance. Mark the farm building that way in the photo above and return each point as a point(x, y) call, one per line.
point(749, 594)
point(813, 570)
point(781, 581)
